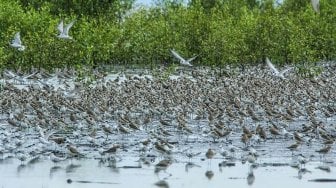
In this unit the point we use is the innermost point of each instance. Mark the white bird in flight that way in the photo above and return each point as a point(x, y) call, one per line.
point(275, 71)
point(64, 31)
point(316, 5)
point(182, 60)
point(16, 42)
point(22, 79)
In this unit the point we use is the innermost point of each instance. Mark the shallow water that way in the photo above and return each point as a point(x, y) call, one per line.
point(46, 174)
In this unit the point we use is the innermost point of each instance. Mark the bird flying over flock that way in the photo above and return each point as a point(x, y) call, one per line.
point(63, 34)
point(64, 31)
point(275, 71)
point(16, 42)
point(182, 60)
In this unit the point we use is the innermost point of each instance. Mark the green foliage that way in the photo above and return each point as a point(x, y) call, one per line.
point(220, 32)
point(87, 8)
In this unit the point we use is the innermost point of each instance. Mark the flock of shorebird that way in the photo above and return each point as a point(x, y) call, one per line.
point(55, 116)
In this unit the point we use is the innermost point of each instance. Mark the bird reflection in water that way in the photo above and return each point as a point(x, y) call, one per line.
point(162, 184)
point(20, 168)
point(190, 165)
point(209, 174)
point(250, 176)
point(53, 170)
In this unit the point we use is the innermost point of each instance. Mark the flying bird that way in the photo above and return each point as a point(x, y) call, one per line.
point(316, 5)
point(275, 71)
point(182, 60)
point(64, 31)
point(17, 43)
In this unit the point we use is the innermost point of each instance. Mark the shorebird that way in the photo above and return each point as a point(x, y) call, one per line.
point(276, 71)
point(284, 132)
point(64, 31)
point(56, 159)
point(302, 160)
point(162, 148)
point(210, 154)
point(73, 151)
point(246, 130)
point(329, 142)
point(17, 43)
point(245, 138)
point(112, 150)
point(261, 132)
point(191, 155)
point(107, 130)
point(324, 150)
point(58, 139)
point(316, 5)
point(162, 165)
point(22, 157)
point(251, 158)
point(294, 147)
point(182, 60)
point(274, 131)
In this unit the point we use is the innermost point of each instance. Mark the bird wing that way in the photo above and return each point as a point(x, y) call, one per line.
point(17, 39)
point(316, 5)
point(49, 134)
point(67, 27)
point(284, 71)
point(28, 76)
point(60, 27)
point(186, 63)
point(191, 59)
point(177, 55)
point(9, 74)
point(271, 66)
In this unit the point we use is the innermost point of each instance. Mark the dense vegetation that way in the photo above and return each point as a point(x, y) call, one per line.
point(220, 32)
